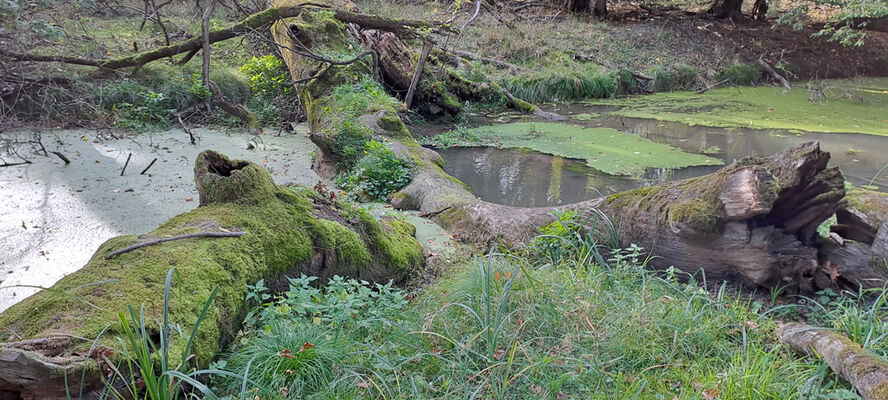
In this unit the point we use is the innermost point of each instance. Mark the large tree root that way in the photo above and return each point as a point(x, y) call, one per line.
point(866, 372)
point(287, 232)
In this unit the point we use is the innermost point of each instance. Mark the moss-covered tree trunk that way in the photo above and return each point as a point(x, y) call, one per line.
point(287, 232)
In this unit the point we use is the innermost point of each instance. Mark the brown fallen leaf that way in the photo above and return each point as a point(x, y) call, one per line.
point(286, 353)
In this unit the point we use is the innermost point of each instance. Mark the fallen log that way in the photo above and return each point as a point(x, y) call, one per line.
point(861, 257)
point(866, 372)
point(286, 232)
point(754, 221)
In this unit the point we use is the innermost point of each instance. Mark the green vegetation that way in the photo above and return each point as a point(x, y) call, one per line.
point(377, 174)
point(605, 149)
point(273, 99)
point(567, 318)
point(458, 136)
point(566, 81)
point(853, 106)
point(681, 77)
point(741, 74)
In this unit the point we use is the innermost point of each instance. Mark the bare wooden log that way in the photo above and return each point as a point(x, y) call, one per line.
point(863, 370)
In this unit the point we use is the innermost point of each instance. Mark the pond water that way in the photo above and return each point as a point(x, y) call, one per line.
point(529, 178)
point(54, 216)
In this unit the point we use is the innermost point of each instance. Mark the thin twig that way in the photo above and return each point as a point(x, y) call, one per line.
point(116, 253)
point(149, 166)
point(62, 156)
point(712, 86)
point(126, 163)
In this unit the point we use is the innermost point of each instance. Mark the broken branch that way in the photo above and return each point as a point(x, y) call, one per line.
point(116, 253)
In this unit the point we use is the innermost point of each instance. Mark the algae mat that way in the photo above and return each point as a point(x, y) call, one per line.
point(848, 106)
point(607, 150)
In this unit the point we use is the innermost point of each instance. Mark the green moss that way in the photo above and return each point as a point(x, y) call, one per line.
point(698, 214)
point(854, 106)
point(282, 235)
point(872, 203)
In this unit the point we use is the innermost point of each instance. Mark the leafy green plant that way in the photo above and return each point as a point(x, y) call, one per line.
point(456, 137)
point(268, 76)
point(146, 113)
point(378, 173)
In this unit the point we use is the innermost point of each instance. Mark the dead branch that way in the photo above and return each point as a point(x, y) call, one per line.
point(255, 21)
point(426, 48)
point(148, 167)
point(126, 164)
point(773, 73)
point(116, 253)
point(866, 372)
point(62, 156)
point(712, 86)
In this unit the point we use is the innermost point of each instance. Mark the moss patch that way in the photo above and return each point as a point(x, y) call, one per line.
point(285, 234)
point(607, 150)
point(852, 106)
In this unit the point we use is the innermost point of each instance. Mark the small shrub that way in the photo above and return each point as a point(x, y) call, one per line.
point(460, 135)
point(267, 76)
point(681, 77)
point(378, 173)
point(740, 74)
point(146, 113)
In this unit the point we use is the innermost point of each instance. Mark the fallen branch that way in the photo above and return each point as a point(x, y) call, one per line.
point(186, 129)
point(62, 156)
point(866, 372)
point(426, 48)
point(262, 18)
point(116, 253)
point(126, 163)
point(773, 73)
point(6, 164)
point(149, 166)
point(712, 86)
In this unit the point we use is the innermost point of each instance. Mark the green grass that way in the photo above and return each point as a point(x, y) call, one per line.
point(852, 106)
point(585, 324)
point(605, 149)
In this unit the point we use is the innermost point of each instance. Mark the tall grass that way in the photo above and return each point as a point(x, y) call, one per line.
point(566, 83)
point(568, 317)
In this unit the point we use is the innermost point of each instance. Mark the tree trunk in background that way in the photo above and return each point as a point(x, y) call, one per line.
point(727, 9)
point(760, 10)
point(286, 233)
point(599, 8)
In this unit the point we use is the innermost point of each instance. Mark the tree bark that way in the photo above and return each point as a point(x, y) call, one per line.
point(755, 221)
point(286, 233)
point(728, 9)
point(861, 257)
point(866, 372)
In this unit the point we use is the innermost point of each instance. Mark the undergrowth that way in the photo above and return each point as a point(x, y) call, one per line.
point(570, 317)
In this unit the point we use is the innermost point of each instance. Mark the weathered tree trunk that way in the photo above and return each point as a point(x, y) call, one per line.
point(599, 8)
point(760, 10)
point(866, 372)
point(287, 233)
point(755, 221)
point(859, 256)
point(731, 9)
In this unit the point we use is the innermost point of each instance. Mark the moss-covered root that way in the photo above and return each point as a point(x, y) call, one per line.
point(866, 372)
point(288, 232)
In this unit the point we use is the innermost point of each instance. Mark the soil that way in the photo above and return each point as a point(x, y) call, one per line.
point(748, 39)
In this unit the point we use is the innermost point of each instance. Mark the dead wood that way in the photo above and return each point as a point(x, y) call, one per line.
point(116, 253)
point(128, 157)
point(249, 24)
point(423, 56)
point(863, 370)
point(712, 86)
point(148, 167)
point(773, 73)
point(62, 156)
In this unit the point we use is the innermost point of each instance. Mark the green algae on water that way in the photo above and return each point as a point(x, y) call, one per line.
point(605, 149)
point(848, 106)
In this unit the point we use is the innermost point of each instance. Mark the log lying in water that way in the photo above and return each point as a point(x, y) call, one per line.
point(288, 232)
point(866, 372)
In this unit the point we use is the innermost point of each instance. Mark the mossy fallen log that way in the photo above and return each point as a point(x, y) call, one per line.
point(866, 372)
point(288, 232)
point(859, 253)
point(754, 221)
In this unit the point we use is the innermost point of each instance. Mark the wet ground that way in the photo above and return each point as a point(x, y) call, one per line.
point(54, 216)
